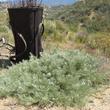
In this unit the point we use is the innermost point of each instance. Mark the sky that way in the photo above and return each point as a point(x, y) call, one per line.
point(57, 2)
point(54, 2)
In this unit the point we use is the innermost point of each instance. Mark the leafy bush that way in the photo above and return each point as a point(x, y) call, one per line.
point(78, 11)
point(81, 37)
point(5, 31)
point(57, 31)
point(98, 25)
point(100, 41)
point(60, 78)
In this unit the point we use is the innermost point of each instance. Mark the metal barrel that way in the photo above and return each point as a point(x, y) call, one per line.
point(25, 24)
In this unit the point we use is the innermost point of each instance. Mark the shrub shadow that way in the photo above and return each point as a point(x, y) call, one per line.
point(4, 63)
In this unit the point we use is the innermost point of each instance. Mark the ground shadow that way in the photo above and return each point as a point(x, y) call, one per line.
point(4, 63)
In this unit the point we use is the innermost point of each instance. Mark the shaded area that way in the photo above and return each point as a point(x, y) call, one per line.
point(4, 63)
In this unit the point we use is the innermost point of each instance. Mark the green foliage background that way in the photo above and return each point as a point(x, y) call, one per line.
point(81, 11)
point(5, 30)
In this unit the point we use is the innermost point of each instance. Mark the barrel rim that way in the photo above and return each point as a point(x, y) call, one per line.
point(26, 8)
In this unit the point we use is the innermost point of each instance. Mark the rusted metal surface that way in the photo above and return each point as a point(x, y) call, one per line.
point(25, 22)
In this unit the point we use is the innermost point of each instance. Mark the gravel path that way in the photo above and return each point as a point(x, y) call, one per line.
point(100, 100)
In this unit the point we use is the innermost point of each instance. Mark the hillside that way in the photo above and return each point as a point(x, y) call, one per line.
point(94, 14)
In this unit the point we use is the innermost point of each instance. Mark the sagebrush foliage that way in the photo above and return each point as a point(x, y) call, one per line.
point(59, 78)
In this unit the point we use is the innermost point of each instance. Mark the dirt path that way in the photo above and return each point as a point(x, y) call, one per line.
point(100, 100)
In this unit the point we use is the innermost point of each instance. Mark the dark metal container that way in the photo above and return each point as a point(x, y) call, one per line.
point(27, 30)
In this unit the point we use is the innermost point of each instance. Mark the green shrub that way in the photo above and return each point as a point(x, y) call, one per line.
point(59, 78)
point(81, 37)
point(57, 31)
point(5, 31)
point(100, 41)
point(98, 25)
